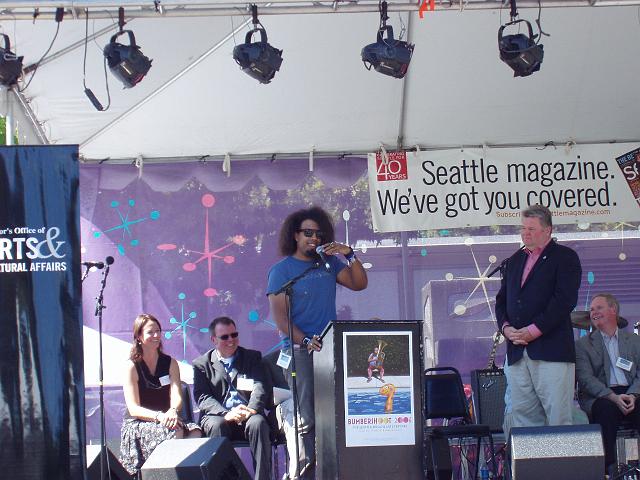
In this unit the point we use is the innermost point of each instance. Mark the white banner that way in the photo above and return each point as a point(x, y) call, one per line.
point(479, 187)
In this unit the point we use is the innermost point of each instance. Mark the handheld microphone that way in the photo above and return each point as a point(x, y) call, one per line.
point(323, 257)
point(99, 265)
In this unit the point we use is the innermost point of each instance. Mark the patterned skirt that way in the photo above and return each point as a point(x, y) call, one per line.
point(138, 438)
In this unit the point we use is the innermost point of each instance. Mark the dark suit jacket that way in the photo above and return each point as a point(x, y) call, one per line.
point(547, 299)
point(211, 384)
point(593, 366)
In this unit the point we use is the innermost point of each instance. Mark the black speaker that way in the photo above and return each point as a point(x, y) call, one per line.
point(443, 458)
point(194, 459)
point(113, 468)
point(488, 388)
point(556, 453)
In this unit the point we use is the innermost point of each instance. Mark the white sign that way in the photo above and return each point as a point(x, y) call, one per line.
point(476, 187)
point(378, 389)
point(31, 249)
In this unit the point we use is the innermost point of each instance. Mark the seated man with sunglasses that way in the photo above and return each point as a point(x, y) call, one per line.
point(228, 386)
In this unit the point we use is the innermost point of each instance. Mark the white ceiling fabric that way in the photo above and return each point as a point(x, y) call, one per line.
point(457, 90)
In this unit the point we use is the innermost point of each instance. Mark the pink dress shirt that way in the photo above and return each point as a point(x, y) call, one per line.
point(533, 256)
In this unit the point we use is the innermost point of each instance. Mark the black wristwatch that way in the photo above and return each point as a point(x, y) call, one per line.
point(306, 341)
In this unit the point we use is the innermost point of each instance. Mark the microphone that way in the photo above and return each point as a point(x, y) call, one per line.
point(504, 262)
point(99, 265)
point(323, 257)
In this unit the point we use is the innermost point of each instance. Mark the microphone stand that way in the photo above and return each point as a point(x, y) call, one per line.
point(287, 288)
point(500, 268)
point(85, 274)
point(98, 313)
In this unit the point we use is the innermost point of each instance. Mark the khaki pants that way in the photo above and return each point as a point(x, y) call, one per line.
point(541, 392)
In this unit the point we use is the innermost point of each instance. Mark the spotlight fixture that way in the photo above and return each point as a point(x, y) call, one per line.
point(10, 65)
point(258, 59)
point(520, 51)
point(126, 62)
point(388, 55)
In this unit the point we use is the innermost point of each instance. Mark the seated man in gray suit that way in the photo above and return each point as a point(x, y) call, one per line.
point(607, 372)
point(228, 385)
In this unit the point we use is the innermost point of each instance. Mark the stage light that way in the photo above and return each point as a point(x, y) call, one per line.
point(10, 65)
point(258, 59)
point(388, 55)
point(519, 51)
point(126, 62)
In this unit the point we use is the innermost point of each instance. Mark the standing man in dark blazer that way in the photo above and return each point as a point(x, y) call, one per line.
point(608, 375)
point(539, 290)
point(228, 386)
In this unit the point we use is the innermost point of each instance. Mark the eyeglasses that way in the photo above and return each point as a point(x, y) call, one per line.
point(226, 336)
point(309, 232)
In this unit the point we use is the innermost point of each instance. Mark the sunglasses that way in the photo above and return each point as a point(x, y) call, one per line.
point(309, 232)
point(226, 336)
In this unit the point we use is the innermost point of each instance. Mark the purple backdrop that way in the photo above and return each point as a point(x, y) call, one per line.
point(191, 244)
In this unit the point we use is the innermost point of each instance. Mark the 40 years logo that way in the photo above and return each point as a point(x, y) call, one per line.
point(394, 167)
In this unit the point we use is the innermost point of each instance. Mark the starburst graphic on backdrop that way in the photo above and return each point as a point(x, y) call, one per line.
point(254, 318)
point(346, 216)
point(482, 279)
point(620, 226)
point(209, 254)
point(126, 224)
point(183, 326)
point(591, 277)
point(622, 256)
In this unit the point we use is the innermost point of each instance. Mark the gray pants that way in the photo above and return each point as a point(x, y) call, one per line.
point(255, 430)
point(306, 417)
point(541, 392)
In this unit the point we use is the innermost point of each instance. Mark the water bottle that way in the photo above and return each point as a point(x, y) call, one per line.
point(484, 473)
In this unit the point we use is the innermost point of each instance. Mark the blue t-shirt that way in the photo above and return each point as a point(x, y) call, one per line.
point(314, 296)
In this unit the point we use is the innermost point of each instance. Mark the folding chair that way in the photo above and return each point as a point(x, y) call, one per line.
point(186, 410)
point(445, 399)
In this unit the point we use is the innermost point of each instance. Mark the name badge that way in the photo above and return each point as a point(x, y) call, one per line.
point(166, 380)
point(624, 364)
point(245, 384)
point(284, 359)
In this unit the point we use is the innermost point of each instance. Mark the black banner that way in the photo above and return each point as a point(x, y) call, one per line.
point(41, 368)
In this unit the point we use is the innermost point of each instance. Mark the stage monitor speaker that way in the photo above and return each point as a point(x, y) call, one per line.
point(194, 459)
point(556, 453)
point(113, 469)
point(443, 459)
point(488, 388)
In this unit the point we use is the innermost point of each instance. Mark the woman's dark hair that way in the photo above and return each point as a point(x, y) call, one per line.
point(138, 325)
point(287, 244)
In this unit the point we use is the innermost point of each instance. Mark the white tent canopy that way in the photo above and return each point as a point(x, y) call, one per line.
point(195, 102)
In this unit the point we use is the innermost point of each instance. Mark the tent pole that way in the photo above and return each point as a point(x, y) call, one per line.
point(403, 96)
point(26, 13)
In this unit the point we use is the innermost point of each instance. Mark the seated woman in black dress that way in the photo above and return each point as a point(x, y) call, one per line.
point(152, 394)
